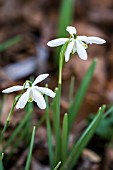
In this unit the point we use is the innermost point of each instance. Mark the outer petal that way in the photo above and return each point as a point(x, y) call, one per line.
point(23, 100)
point(90, 40)
point(57, 42)
point(12, 89)
point(46, 91)
point(71, 30)
point(40, 78)
point(69, 50)
point(38, 98)
point(81, 50)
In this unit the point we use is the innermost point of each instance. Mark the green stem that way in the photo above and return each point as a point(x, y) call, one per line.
point(30, 150)
point(9, 117)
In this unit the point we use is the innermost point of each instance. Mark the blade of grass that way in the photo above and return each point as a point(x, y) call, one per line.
point(83, 141)
point(30, 150)
point(18, 129)
point(65, 18)
point(17, 142)
point(50, 148)
point(9, 117)
point(10, 43)
point(1, 162)
point(75, 106)
point(56, 121)
point(57, 166)
point(64, 138)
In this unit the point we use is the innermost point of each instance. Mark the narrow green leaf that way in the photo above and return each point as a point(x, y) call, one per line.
point(49, 133)
point(10, 43)
point(22, 135)
point(65, 19)
point(64, 138)
point(1, 162)
point(27, 167)
point(9, 117)
point(75, 106)
point(57, 166)
point(18, 129)
point(83, 141)
point(56, 124)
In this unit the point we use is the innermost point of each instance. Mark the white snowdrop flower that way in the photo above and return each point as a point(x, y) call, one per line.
point(75, 43)
point(33, 92)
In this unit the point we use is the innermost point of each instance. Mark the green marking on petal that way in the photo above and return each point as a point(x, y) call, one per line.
point(30, 100)
point(75, 36)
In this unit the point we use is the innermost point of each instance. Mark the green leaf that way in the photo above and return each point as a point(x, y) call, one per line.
point(10, 43)
point(75, 106)
point(65, 19)
point(27, 167)
point(64, 138)
point(57, 166)
point(9, 117)
point(49, 133)
point(18, 129)
point(83, 141)
point(1, 162)
point(56, 124)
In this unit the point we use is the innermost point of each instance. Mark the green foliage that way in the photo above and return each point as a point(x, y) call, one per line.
point(9, 43)
point(56, 124)
point(49, 133)
point(105, 128)
point(27, 167)
point(83, 141)
point(75, 106)
point(64, 140)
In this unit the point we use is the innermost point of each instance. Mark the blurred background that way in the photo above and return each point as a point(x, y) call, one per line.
point(25, 28)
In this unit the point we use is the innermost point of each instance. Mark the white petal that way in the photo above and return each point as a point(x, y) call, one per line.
point(90, 40)
point(40, 78)
point(57, 42)
point(38, 98)
point(46, 91)
point(23, 100)
point(81, 50)
point(71, 30)
point(12, 89)
point(69, 50)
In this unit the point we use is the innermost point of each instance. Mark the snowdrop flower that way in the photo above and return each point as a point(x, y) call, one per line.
point(33, 92)
point(75, 43)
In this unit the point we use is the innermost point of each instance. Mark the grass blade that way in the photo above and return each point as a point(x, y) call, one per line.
point(30, 150)
point(56, 124)
point(57, 166)
point(75, 106)
point(1, 163)
point(9, 117)
point(49, 133)
point(18, 129)
point(10, 43)
point(83, 141)
point(64, 138)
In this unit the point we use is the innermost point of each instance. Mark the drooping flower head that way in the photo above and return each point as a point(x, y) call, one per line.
point(75, 43)
point(33, 92)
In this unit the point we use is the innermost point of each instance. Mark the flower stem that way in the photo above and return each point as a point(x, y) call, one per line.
point(9, 117)
point(61, 61)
